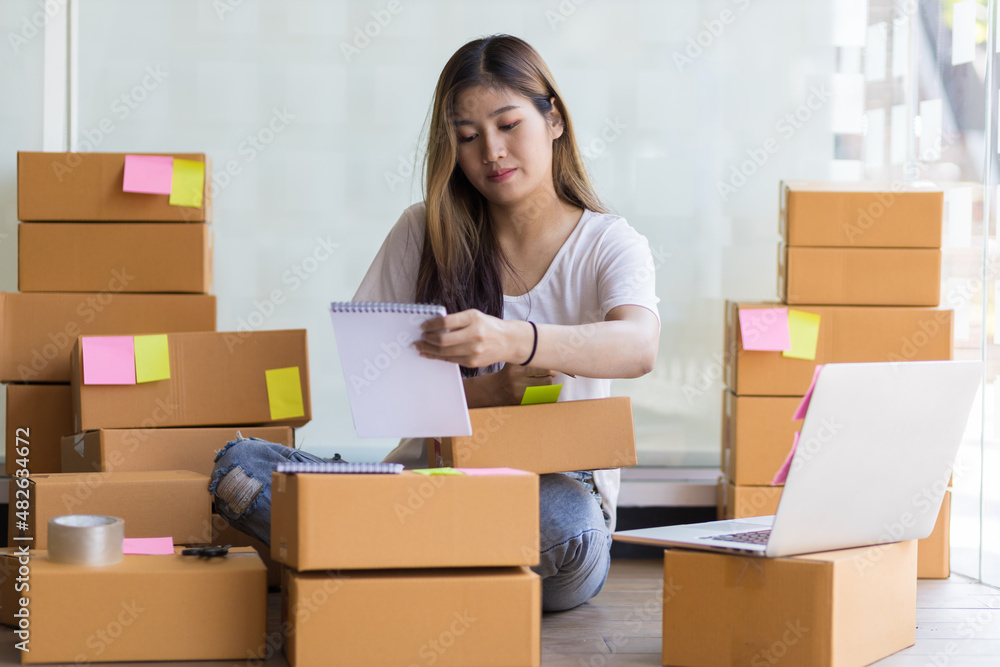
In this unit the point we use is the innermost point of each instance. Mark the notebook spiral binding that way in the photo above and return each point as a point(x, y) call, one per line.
point(342, 467)
point(383, 307)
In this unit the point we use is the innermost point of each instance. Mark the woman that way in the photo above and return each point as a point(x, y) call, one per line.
point(539, 281)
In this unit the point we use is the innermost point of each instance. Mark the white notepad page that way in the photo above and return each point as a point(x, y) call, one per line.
point(394, 392)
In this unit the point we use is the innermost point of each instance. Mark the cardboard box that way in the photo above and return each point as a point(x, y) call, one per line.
point(173, 503)
point(404, 521)
point(73, 257)
point(449, 618)
point(846, 334)
point(125, 450)
point(216, 379)
point(934, 551)
point(148, 608)
point(860, 276)
point(872, 215)
point(45, 412)
point(88, 187)
point(37, 331)
point(833, 609)
point(554, 437)
point(757, 434)
point(740, 502)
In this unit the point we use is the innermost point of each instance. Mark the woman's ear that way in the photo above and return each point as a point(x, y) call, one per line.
point(555, 120)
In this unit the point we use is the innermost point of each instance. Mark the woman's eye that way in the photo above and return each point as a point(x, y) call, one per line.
point(511, 126)
point(465, 140)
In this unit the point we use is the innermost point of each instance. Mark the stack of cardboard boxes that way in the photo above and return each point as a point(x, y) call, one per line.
point(421, 567)
point(151, 391)
point(108, 227)
point(92, 259)
point(97, 257)
point(859, 280)
point(859, 277)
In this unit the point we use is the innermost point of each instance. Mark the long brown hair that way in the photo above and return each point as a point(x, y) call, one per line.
point(462, 263)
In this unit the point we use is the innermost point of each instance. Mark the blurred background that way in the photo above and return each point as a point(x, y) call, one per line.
point(311, 112)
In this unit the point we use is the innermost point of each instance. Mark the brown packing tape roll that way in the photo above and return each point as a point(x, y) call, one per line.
point(86, 539)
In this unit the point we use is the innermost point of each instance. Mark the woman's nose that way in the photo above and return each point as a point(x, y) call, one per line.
point(493, 148)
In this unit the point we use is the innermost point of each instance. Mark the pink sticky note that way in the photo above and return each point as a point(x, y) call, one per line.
point(108, 360)
point(483, 472)
point(800, 412)
point(148, 546)
point(782, 474)
point(151, 174)
point(765, 329)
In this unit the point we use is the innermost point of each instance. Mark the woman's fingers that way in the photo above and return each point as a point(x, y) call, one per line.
point(473, 355)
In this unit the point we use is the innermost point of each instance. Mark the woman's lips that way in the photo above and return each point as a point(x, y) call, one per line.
point(501, 175)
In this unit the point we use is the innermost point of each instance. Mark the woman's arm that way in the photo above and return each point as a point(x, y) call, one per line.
point(624, 345)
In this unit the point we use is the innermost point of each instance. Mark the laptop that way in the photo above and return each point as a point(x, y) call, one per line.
point(872, 465)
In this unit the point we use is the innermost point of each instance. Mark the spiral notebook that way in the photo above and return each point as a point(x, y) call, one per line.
point(394, 392)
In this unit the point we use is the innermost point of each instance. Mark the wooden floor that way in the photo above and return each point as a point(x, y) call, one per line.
point(957, 615)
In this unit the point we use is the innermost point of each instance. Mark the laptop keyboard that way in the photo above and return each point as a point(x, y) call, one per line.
point(748, 537)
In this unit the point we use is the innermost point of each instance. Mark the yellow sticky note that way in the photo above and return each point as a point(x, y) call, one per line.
point(439, 471)
point(187, 183)
point(284, 393)
point(152, 358)
point(803, 329)
point(548, 393)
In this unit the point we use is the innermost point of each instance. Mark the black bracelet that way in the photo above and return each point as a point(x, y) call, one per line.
point(534, 344)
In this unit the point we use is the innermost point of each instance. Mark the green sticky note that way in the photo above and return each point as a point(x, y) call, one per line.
point(284, 393)
point(187, 183)
point(152, 358)
point(548, 393)
point(439, 471)
point(803, 329)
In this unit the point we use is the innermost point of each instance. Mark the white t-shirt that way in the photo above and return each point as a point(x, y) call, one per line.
point(603, 264)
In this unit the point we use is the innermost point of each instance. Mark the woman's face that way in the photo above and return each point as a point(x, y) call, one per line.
point(504, 144)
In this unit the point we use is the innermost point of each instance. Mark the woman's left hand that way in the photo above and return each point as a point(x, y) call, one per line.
point(470, 338)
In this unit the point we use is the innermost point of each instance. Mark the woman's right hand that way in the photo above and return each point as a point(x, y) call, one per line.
point(506, 386)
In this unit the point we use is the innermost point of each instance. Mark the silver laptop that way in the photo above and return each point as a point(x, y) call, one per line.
point(873, 462)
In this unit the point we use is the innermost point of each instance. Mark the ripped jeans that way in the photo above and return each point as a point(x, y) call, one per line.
point(574, 538)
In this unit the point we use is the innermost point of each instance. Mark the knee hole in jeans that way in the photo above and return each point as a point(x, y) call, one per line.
point(238, 490)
